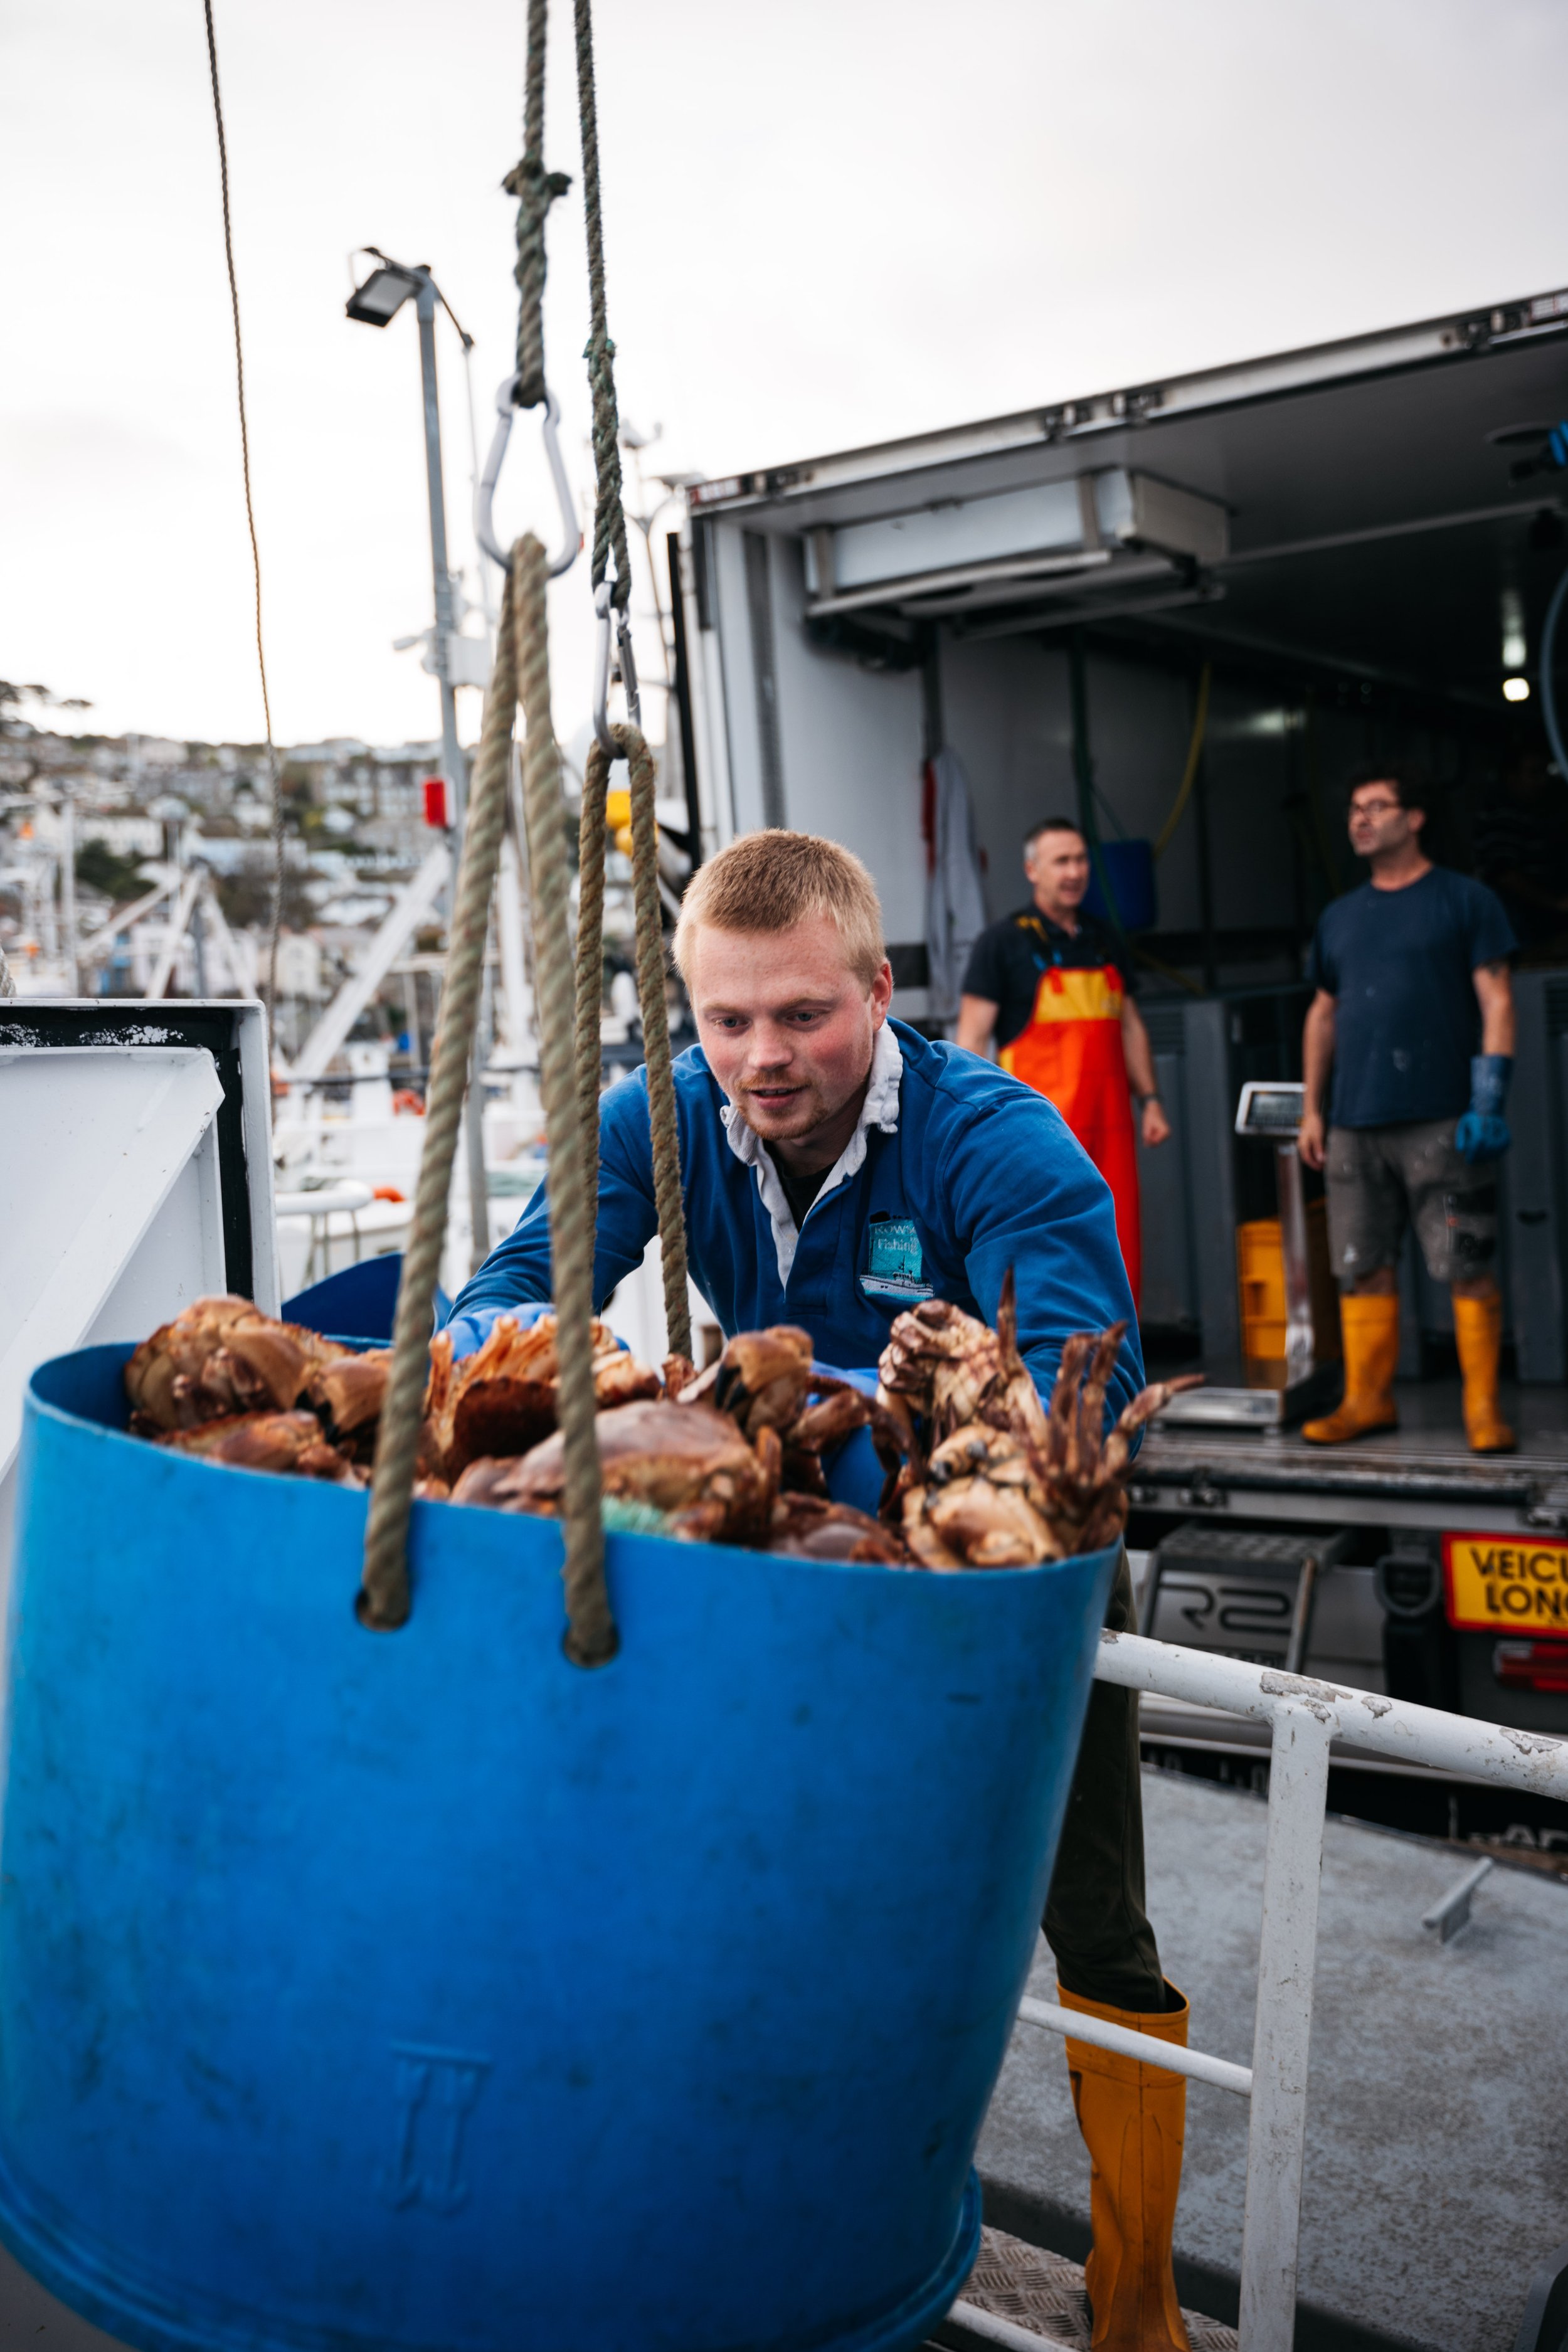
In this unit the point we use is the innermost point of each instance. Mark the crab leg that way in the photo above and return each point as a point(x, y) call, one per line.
point(1092, 1410)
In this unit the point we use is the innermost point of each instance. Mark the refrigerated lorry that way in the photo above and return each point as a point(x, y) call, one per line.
point(1338, 555)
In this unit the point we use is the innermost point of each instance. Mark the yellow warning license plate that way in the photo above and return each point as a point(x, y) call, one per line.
point(1495, 1584)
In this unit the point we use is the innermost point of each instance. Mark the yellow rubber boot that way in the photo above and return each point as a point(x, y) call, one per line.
point(1133, 2118)
point(1477, 1331)
point(1371, 1329)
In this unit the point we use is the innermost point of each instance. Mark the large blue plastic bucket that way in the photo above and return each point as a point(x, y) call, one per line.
point(422, 1990)
point(358, 1301)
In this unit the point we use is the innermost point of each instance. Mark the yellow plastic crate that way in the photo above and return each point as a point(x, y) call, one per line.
point(1260, 1280)
point(1260, 1283)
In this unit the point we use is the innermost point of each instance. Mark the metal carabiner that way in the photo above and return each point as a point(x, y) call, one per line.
point(603, 734)
point(484, 494)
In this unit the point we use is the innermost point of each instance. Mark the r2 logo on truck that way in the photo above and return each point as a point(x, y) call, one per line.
point(1495, 1584)
point(1250, 1618)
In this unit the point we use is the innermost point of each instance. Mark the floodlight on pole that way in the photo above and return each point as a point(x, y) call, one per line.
point(384, 293)
point(382, 296)
point(390, 285)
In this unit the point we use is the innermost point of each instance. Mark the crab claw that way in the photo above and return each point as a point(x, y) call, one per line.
point(762, 1376)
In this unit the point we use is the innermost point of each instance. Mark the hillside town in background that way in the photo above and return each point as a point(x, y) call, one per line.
point(129, 806)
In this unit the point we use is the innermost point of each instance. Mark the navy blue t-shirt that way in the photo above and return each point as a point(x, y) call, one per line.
point(1398, 965)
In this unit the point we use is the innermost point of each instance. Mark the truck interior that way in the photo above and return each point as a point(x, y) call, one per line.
point(1249, 583)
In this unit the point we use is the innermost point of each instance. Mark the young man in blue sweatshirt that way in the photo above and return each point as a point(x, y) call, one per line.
point(836, 1168)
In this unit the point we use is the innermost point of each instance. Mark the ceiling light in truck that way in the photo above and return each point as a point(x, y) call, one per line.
point(1090, 523)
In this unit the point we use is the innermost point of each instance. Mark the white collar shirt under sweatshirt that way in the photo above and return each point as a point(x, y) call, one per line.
point(879, 1110)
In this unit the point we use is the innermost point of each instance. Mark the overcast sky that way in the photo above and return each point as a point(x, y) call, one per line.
point(828, 221)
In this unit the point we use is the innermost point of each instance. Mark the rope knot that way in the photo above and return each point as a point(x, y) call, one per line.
point(533, 187)
point(535, 190)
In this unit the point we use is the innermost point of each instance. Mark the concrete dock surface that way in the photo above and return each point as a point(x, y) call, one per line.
point(1437, 2158)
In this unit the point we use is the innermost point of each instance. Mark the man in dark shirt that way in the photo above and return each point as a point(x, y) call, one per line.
point(1411, 974)
point(1056, 988)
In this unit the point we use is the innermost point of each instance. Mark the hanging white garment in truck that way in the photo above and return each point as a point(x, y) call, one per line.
point(955, 897)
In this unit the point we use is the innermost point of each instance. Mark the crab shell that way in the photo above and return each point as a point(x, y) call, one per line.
point(952, 1370)
point(808, 1527)
point(981, 1506)
point(291, 1443)
point(352, 1389)
point(763, 1378)
point(219, 1357)
point(987, 1499)
point(685, 1460)
point(501, 1400)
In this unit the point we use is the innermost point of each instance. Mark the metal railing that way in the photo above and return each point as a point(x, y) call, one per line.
point(322, 1205)
point(1304, 1717)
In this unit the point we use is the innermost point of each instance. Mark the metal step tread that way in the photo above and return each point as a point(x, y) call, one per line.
point(1038, 2297)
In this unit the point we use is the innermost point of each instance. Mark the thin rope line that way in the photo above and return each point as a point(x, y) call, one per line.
point(535, 190)
point(591, 842)
point(270, 992)
point(663, 1130)
point(609, 519)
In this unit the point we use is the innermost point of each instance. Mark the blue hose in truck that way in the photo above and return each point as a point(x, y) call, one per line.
point(1548, 688)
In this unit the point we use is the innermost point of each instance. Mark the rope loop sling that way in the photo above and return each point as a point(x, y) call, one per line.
point(651, 1002)
point(521, 672)
point(569, 988)
point(591, 1637)
point(385, 1599)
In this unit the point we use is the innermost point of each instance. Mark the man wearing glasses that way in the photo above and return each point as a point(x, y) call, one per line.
point(1413, 1014)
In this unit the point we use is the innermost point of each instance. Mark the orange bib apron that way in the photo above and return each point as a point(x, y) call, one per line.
point(1070, 1051)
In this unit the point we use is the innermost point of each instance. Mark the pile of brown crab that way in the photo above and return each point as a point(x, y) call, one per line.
point(990, 1477)
point(230, 1383)
point(978, 1473)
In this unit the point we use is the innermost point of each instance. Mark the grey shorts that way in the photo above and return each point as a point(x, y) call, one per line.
point(1380, 1178)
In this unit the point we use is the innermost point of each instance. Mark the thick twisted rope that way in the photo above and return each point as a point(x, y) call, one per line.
point(591, 968)
point(535, 190)
point(591, 1636)
point(609, 518)
point(656, 1033)
point(385, 1599)
point(521, 672)
point(654, 1007)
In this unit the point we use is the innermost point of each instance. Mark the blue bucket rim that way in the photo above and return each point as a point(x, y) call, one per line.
point(182, 1464)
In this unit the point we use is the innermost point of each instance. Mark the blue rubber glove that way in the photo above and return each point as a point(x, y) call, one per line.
point(852, 1471)
point(469, 1332)
point(1482, 1133)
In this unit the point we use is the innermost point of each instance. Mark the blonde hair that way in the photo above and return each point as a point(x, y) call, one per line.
point(770, 881)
